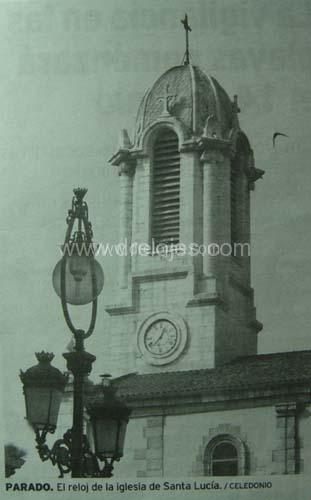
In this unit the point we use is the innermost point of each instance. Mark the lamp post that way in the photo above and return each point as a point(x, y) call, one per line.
point(78, 279)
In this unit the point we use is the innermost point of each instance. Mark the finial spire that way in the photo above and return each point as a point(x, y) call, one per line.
point(184, 21)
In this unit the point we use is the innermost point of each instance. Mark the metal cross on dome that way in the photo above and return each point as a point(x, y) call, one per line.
point(166, 99)
point(184, 21)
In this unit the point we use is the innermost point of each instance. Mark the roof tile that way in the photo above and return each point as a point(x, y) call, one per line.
point(244, 373)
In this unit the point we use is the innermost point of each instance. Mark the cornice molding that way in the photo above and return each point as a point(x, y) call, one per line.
point(132, 305)
point(230, 400)
point(208, 299)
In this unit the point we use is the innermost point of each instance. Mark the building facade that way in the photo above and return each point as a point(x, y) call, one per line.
point(183, 322)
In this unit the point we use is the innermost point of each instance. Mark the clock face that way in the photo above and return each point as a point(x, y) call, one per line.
point(161, 337)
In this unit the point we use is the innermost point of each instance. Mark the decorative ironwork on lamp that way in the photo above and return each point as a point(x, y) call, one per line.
point(78, 279)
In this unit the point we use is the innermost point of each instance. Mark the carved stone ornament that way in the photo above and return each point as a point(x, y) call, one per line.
point(253, 173)
point(235, 111)
point(124, 140)
point(212, 157)
point(167, 101)
point(212, 129)
point(126, 168)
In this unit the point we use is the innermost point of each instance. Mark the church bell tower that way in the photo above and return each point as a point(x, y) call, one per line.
point(184, 299)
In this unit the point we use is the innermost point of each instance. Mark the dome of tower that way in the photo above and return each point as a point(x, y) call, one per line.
point(195, 99)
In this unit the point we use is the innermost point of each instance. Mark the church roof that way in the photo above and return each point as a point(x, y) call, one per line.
point(191, 96)
point(266, 371)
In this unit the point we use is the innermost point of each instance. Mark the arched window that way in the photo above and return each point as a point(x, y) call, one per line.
point(165, 189)
point(224, 456)
point(224, 460)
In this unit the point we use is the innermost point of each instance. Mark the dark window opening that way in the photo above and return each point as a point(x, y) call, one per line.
point(165, 189)
point(224, 460)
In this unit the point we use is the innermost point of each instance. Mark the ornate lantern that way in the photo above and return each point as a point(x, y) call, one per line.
point(43, 389)
point(109, 418)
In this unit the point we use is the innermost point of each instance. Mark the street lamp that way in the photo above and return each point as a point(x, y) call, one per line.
point(78, 279)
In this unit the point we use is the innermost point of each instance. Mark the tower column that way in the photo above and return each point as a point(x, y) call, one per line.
point(216, 211)
point(125, 232)
point(191, 202)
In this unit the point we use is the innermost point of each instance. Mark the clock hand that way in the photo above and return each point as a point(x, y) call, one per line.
point(152, 341)
point(161, 335)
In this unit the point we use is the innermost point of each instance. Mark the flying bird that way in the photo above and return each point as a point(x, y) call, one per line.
point(275, 136)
